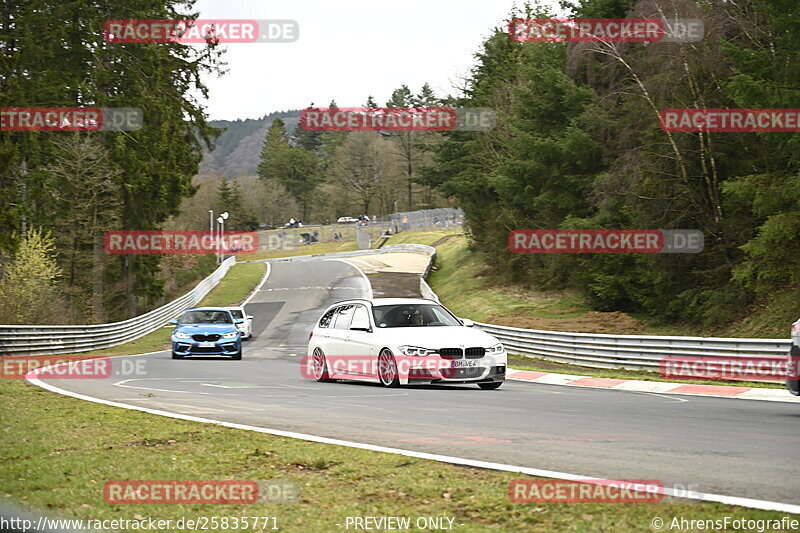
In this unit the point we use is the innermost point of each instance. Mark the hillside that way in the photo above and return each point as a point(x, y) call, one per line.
point(237, 150)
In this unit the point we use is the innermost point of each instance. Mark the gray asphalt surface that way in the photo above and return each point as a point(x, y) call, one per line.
point(724, 446)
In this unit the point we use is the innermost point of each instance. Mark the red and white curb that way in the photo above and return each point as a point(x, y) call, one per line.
point(658, 387)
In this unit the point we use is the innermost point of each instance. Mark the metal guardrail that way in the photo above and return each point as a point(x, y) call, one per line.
point(46, 340)
point(632, 352)
point(389, 248)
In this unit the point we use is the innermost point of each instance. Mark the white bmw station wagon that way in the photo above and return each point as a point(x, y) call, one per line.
point(400, 341)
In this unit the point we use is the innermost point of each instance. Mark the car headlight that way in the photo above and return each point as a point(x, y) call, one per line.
point(416, 350)
point(181, 335)
point(497, 348)
point(230, 335)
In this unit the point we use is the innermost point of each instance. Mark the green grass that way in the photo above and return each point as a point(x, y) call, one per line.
point(63, 450)
point(240, 280)
point(421, 237)
point(459, 281)
point(306, 249)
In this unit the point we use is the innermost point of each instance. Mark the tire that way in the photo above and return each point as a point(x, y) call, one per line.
point(387, 369)
point(238, 355)
point(176, 356)
point(491, 385)
point(319, 368)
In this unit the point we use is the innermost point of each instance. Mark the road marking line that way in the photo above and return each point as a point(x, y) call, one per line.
point(258, 288)
point(368, 288)
point(720, 498)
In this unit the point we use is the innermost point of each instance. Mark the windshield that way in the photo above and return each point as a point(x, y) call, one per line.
point(412, 315)
point(211, 316)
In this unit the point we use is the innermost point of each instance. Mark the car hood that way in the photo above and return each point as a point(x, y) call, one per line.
point(435, 337)
point(191, 329)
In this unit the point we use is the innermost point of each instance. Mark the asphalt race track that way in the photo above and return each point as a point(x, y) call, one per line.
point(724, 446)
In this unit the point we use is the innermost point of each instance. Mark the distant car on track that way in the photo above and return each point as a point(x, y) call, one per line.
point(793, 381)
point(246, 327)
point(397, 341)
point(346, 220)
point(206, 331)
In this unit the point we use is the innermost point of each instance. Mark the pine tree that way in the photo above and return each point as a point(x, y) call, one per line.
point(293, 167)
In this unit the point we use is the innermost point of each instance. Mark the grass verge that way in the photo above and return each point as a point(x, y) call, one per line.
point(240, 280)
point(64, 450)
point(460, 282)
point(306, 249)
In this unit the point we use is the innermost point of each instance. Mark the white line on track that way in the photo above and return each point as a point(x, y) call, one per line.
point(367, 284)
point(720, 498)
point(258, 288)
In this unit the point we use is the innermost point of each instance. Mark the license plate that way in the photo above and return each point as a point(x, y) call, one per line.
point(206, 345)
point(463, 364)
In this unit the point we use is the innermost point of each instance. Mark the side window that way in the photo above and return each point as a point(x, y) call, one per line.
point(325, 321)
point(343, 317)
point(360, 317)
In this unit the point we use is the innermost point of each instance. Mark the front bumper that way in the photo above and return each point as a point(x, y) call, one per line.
point(434, 369)
point(220, 347)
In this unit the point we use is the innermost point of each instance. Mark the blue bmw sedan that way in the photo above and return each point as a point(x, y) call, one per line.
point(206, 331)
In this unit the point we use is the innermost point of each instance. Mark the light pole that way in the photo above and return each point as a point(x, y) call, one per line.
point(211, 225)
point(222, 218)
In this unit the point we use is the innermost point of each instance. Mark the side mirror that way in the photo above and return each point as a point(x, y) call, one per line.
point(250, 317)
point(467, 322)
point(174, 321)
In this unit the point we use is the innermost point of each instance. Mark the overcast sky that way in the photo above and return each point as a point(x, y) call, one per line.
point(347, 50)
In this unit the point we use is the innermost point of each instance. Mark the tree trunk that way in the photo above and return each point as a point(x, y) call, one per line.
point(97, 282)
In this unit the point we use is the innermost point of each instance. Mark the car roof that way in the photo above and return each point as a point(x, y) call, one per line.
point(206, 309)
point(234, 307)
